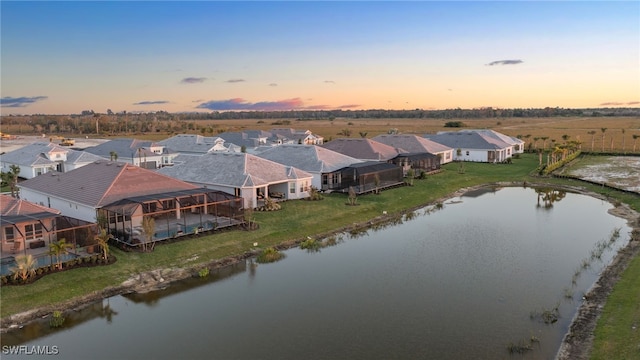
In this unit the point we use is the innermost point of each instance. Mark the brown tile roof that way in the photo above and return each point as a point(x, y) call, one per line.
point(103, 182)
point(10, 206)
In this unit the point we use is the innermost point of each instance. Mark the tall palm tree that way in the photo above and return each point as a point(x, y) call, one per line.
point(148, 228)
point(635, 139)
point(623, 131)
point(59, 248)
point(14, 171)
point(604, 130)
point(593, 136)
point(544, 142)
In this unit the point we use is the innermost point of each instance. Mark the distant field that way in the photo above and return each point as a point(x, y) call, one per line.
point(577, 128)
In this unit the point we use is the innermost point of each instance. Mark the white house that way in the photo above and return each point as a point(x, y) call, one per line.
point(42, 157)
point(474, 146)
point(241, 174)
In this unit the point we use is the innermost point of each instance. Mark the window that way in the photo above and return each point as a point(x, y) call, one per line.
point(467, 152)
point(38, 230)
point(292, 188)
point(8, 234)
point(28, 232)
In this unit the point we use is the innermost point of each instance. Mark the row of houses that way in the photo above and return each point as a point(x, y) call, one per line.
point(209, 189)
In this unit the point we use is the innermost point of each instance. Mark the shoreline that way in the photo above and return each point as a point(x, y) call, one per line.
point(576, 343)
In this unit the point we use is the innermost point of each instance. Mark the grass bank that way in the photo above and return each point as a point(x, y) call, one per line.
point(297, 220)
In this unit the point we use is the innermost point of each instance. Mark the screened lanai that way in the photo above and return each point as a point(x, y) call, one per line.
point(174, 214)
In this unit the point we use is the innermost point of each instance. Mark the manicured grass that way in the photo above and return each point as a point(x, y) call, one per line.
point(617, 335)
point(297, 220)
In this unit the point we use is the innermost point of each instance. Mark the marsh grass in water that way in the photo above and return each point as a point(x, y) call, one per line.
point(270, 255)
point(57, 319)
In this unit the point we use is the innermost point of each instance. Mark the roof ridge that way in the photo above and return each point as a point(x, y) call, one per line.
point(104, 194)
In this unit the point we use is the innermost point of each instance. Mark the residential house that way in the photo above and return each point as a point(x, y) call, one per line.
point(247, 140)
point(517, 144)
point(474, 146)
point(293, 136)
point(362, 149)
point(369, 176)
point(124, 194)
point(245, 175)
point(25, 225)
point(146, 154)
point(415, 144)
point(323, 164)
point(42, 157)
point(191, 144)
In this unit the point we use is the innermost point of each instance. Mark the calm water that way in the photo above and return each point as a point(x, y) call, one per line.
point(461, 282)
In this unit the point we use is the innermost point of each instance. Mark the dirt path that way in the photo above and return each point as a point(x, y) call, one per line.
point(576, 343)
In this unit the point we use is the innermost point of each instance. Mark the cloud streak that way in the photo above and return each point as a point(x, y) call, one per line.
point(235, 81)
point(242, 104)
point(505, 62)
point(14, 102)
point(193, 80)
point(616, 103)
point(154, 102)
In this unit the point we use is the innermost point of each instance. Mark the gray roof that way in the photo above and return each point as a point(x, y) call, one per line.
point(467, 140)
point(125, 148)
point(34, 155)
point(246, 139)
point(103, 182)
point(362, 148)
point(190, 143)
point(412, 143)
point(232, 169)
point(496, 135)
point(310, 158)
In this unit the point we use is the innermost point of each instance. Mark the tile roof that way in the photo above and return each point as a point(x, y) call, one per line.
point(310, 158)
point(412, 143)
point(125, 148)
point(10, 206)
point(34, 155)
point(362, 148)
point(190, 143)
point(232, 169)
point(103, 182)
point(467, 140)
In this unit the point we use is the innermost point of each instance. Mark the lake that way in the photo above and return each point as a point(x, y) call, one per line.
point(458, 282)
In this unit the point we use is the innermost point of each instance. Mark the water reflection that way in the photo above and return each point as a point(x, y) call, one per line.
point(549, 196)
point(461, 282)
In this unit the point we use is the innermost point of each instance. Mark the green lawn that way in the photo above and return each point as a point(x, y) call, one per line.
point(297, 220)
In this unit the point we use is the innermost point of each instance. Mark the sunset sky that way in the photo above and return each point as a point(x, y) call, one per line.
point(65, 57)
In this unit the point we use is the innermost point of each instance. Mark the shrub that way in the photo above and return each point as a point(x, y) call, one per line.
point(311, 245)
point(56, 319)
point(204, 272)
point(269, 255)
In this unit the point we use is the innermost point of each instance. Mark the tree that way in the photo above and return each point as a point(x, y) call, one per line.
point(593, 137)
point(376, 182)
point(363, 134)
point(604, 130)
point(352, 196)
point(12, 179)
point(25, 267)
point(411, 174)
point(565, 137)
point(544, 142)
point(113, 155)
point(635, 139)
point(103, 238)
point(623, 145)
point(149, 229)
point(61, 247)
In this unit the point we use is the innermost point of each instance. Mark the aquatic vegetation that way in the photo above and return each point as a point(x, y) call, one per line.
point(269, 255)
point(56, 319)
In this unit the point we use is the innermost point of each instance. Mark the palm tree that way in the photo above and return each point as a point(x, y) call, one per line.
point(623, 131)
point(635, 139)
point(565, 137)
point(113, 155)
point(535, 141)
point(604, 130)
point(25, 267)
point(148, 228)
point(103, 242)
point(14, 171)
point(58, 248)
point(592, 133)
point(544, 142)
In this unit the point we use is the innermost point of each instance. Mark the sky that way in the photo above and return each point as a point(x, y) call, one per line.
point(66, 57)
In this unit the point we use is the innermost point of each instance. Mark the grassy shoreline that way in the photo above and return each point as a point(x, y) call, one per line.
point(297, 220)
